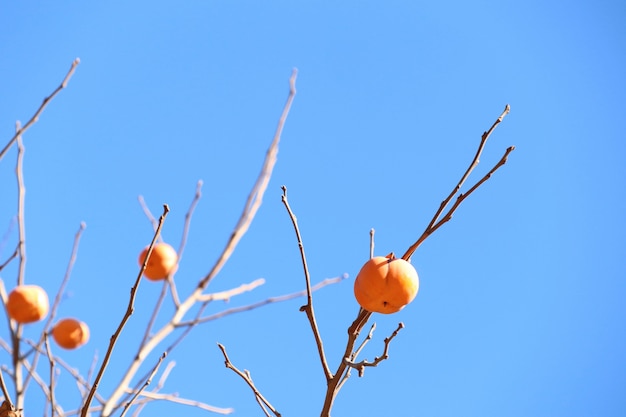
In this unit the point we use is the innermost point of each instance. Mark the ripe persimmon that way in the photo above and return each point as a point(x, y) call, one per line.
point(27, 304)
point(70, 333)
point(162, 262)
point(385, 284)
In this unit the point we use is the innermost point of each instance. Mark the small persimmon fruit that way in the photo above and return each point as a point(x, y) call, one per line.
point(27, 304)
point(70, 333)
point(385, 284)
point(162, 262)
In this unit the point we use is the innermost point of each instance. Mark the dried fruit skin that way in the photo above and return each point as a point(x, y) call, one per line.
point(386, 284)
point(27, 304)
point(162, 261)
point(70, 333)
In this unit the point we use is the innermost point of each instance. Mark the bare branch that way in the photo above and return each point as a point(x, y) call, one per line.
point(369, 336)
point(5, 391)
point(246, 377)
point(463, 196)
point(256, 195)
point(145, 385)
point(336, 382)
point(155, 313)
point(148, 213)
point(435, 223)
point(154, 395)
point(251, 207)
point(228, 294)
point(81, 382)
point(58, 297)
point(372, 231)
point(188, 216)
point(52, 378)
point(41, 108)
point(21, 191)
point(150, 396)
point(308, 307)
point(16, 331)
point(262, 303)
point(356, 353)
point(31, 371)
point(360, 366)
point(10, 258)
point(169, 283)
point(129, 312)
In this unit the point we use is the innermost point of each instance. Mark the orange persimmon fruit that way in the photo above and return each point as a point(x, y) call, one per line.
point(27, 304)
point(162, 262)
point(385, 284)
point(70, 333)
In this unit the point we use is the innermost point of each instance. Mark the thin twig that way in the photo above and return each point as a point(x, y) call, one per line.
point(435, 222)
point(150, 396)
point(251, 207)
point(68, 273)
point(148, 213)
point(129, 312)
point(41, 108)
point(51, 382)
point(90, 372)
point(82, 383)
point(5, 391)
point(183, 241)
point(10, 258)
point(155, 313)
point(369, 336)
point(360, 366)
point(169, 282)
point(262, 303)
point(258, 400)
point(3, 385)
point(187, 225)
point(308, 307)
point(355, 354)
point(58, 297)
point(228, 294)
point(21, 192)
point(30, 370)
point(159, 386)
point(189, 326)
point(246, 377)
point(16, 332)
point(145, 385)
point(203, 306)
point(466, 194)
point(372, 231)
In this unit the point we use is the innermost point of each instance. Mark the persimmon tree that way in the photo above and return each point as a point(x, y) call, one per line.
point(385, 290)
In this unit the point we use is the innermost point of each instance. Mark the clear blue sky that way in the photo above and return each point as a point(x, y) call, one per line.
point(521, 308)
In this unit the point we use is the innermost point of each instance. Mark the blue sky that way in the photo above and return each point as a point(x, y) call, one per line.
point(520, 310)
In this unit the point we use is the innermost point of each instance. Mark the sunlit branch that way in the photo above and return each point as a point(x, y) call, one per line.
point(308, 307)
point(251, 207)
point(360, 366)
point(43, 105)
point(337, 380)
point(262, 303)
point(436, 222)
point(16, 332)
point(58, 297)
point(129, 312)
point(145, 385)
point(246, 377)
